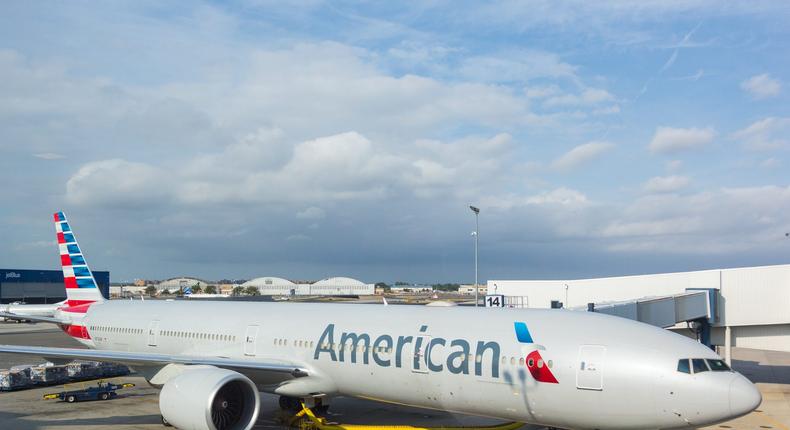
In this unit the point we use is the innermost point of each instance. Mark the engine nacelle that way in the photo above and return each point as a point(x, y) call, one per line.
point(209, 398)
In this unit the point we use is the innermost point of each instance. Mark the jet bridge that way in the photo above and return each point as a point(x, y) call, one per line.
point(697, 307)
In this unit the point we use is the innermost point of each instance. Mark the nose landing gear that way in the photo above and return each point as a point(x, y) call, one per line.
point(295, 405)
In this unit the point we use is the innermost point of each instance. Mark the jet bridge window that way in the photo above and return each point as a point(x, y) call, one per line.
point(699, 365)
point(683, 365)
point(718, 365)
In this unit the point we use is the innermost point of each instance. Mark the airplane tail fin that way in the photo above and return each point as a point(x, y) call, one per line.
point(81, 287)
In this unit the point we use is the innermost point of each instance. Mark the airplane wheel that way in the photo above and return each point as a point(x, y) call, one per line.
point(104, 396)
point(71, 399)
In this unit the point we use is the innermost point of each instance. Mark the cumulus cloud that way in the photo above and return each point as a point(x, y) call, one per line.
point(765, 135)
point(581, 154)
point(118, 182)
point(668, 140)
point(762, 86)
point(666, 184)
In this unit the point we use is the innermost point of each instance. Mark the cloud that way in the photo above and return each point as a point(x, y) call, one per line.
point(765, 135)
point(516, 66)
point(771, 163)
point(762, 86)
point(666, 184)
point(118, 183)
point(669, 61)
point(581, 154)
point(668, 140)
point(311, 213)
point(342, 167)
point(49, 156)
point(590, 96)
point(720, 221)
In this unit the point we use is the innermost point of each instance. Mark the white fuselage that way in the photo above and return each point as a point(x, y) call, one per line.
point(37, 310)
point(610, 372)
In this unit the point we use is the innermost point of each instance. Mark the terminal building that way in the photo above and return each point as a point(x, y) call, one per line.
point(745, 307)
point(41, 286)
point(337, 286)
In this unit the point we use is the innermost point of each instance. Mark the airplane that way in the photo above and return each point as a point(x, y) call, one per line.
point(42, 310)
point(190, 295)
point(556, 368)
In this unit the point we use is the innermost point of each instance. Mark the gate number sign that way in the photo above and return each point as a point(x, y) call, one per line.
point(495, 301)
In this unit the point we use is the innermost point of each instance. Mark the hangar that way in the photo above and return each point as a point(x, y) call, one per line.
point(751, 305)
point(41, 286)
point(177, 284)
point(337, 286)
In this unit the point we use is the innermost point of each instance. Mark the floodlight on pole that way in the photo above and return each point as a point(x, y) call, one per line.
point(477, 239)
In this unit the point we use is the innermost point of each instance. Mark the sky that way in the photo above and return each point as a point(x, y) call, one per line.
point(311, 139)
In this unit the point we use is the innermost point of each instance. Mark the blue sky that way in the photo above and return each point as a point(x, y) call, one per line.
point(306, 140)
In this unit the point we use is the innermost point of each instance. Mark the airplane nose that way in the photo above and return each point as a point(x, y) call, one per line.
point(744, 396)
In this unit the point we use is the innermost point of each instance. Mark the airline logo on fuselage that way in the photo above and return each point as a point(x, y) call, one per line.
point(12, 275)
point(422, 352)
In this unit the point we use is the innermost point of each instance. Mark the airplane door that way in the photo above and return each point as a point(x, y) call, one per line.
point(589, 370)
point(250, 340)
point(153, 333)
point(419, 359)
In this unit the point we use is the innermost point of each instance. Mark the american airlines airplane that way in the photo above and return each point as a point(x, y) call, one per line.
point(558, 368)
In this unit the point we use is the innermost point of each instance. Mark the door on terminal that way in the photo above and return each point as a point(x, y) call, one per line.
point(589, 369)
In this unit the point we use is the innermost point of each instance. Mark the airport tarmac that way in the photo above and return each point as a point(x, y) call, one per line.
point(137, 408)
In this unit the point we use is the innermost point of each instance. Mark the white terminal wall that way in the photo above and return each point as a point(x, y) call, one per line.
point(754, 301)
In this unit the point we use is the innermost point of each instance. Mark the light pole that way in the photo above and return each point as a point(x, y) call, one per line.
point(477, 238)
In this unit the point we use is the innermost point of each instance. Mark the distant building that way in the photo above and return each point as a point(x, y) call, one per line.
point(404, 289)
point(339, 286)
point(41, 286)
point(178, 284)
point(470, 290)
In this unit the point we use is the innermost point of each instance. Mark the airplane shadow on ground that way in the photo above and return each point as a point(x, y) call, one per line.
point(763, 373)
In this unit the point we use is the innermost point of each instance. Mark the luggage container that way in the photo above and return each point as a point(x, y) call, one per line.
point(11, 380)
point(49, 374)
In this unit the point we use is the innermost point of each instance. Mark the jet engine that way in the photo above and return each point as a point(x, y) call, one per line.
point(209, 398)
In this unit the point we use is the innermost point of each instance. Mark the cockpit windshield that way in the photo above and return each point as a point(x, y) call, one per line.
point(699, 365)
point(718, 365)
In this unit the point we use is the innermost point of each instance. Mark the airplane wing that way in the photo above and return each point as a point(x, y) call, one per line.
point(153, 359)
point(21, 317)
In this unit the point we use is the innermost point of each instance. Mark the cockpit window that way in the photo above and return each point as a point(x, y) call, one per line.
point(718, 365)
point(699, 365)
point(683, 365)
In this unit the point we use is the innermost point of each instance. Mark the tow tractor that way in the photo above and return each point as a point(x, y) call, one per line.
point(102, 391)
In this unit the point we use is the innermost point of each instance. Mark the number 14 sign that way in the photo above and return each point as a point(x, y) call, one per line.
point(495, 301)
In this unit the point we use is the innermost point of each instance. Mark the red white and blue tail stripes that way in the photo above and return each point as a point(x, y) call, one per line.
point(81, 287)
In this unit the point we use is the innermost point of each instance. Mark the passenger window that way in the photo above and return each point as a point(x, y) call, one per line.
point(699, 365)
point(683, 365)
point(718, 365)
